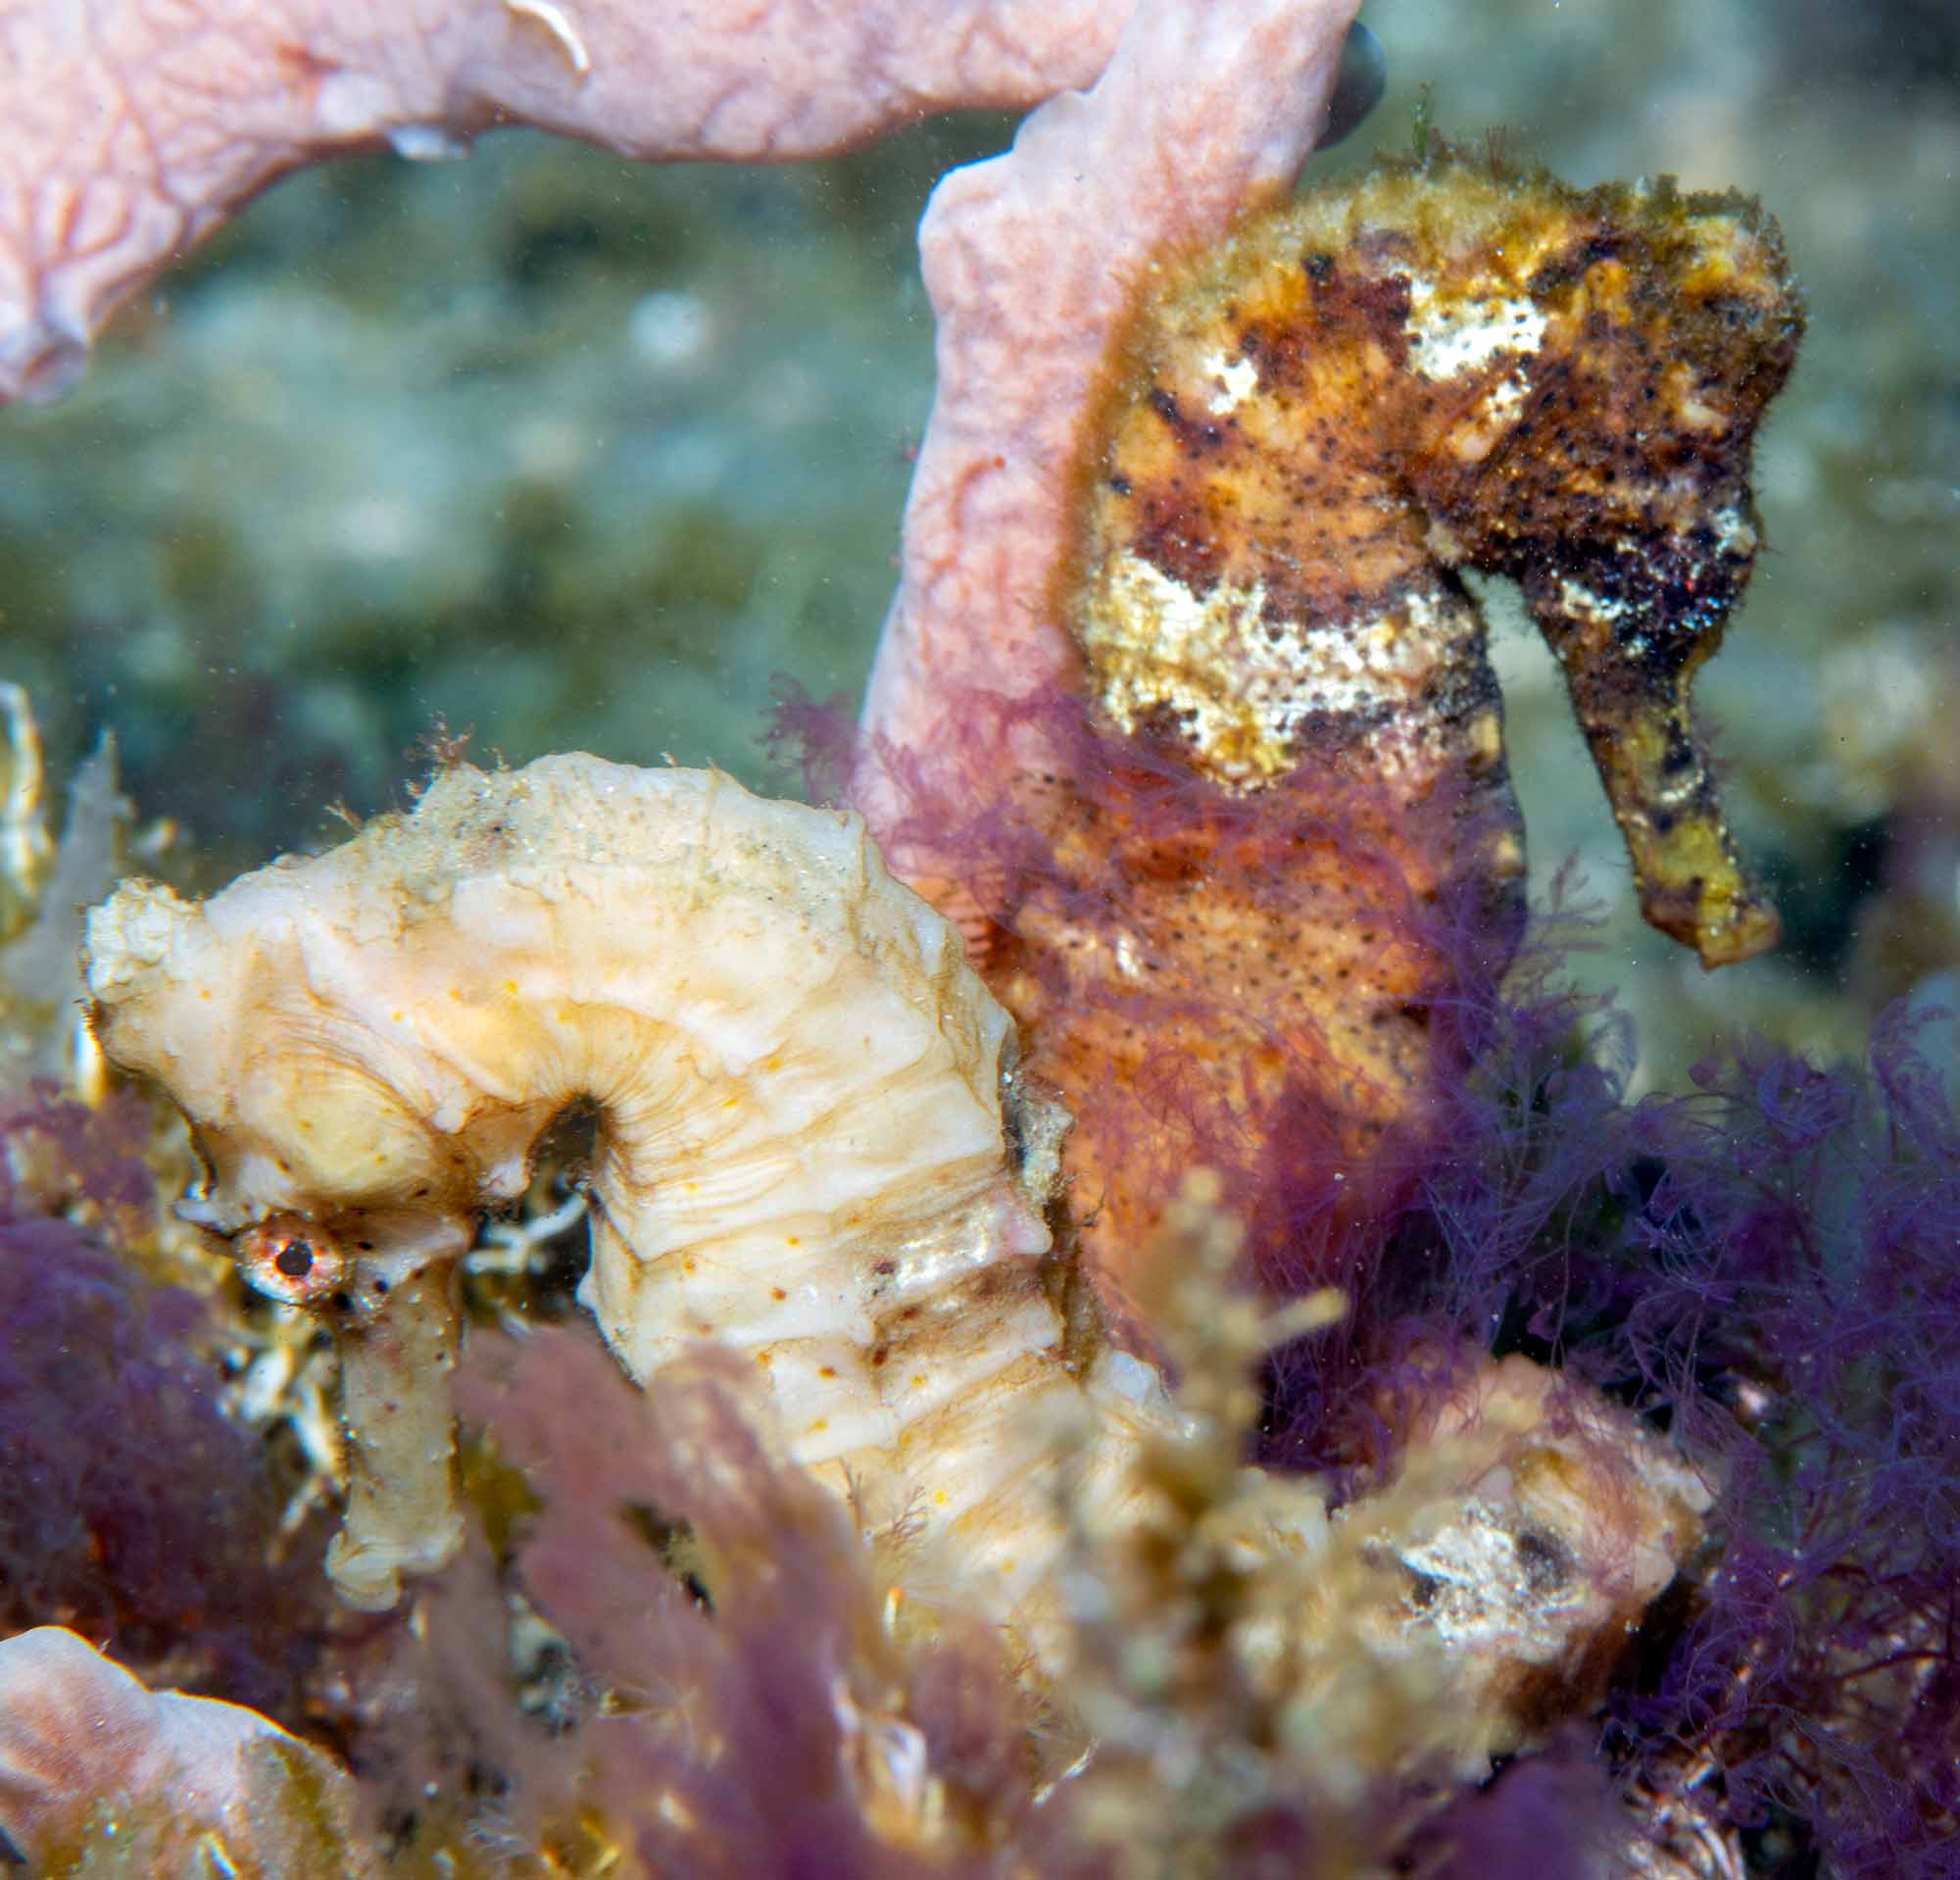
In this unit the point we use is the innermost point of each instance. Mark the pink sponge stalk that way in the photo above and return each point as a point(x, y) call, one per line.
point(133, 131)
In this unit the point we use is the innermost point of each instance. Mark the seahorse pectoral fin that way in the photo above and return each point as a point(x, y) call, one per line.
point(1630, 651)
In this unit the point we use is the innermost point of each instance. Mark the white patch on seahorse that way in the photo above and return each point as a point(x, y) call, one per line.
point(1582, 603)
point(1242, 682)
point(1234, 381)
point(1735, 535)
point(1454, 333)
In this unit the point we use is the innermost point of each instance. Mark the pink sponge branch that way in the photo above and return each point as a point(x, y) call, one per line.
point(1032, 262)
point(134, 127)
point(88, 1756)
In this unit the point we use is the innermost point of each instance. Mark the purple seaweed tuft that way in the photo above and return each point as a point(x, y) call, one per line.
point(1553, 1815)
point(131, 1507)
point(1770, 1268)
point(813, 742)
point(784, 1729)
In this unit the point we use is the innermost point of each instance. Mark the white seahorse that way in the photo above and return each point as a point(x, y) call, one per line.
point(811, 1142)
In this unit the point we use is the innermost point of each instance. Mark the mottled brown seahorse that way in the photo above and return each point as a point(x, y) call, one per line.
point(1262, 875)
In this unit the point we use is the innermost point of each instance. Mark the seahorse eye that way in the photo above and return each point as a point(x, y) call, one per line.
point(291, 1261)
